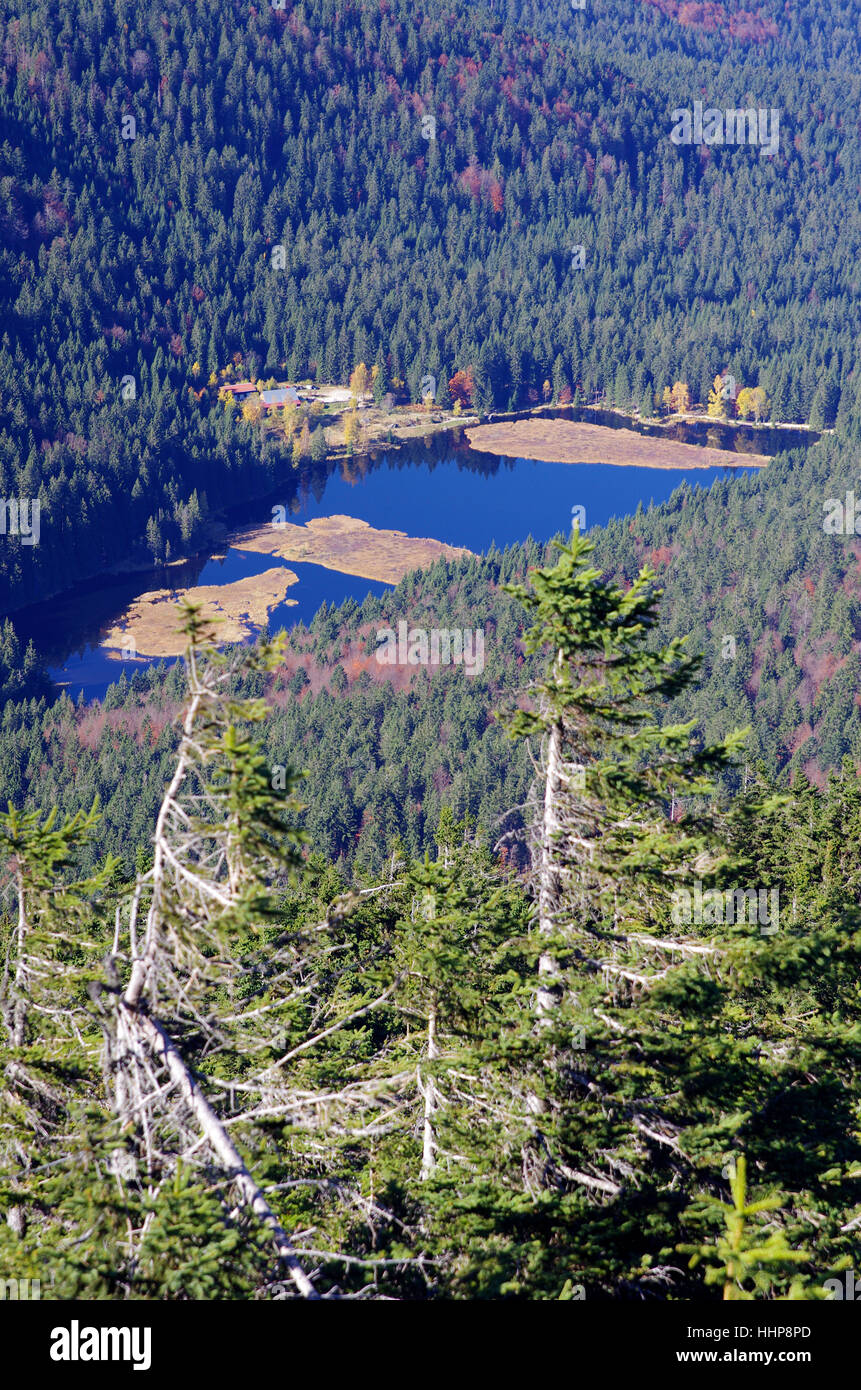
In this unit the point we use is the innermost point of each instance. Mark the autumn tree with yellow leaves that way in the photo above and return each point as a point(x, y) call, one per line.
point(677, 398)
point(352, 430)
point(360, 382)
point(716, 406)
point(752, 400)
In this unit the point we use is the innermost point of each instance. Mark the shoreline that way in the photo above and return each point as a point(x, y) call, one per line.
point(219, 530)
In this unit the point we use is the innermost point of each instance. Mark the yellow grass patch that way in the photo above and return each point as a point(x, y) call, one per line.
point(150, 625)
point(572, 441)
point(345, 544)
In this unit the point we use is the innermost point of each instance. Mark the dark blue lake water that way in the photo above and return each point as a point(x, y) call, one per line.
point(436, 489)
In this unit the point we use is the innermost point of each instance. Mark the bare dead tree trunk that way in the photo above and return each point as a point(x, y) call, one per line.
point(164, 1050)
point(142, 1044)
point(548, 993)
point(19, 1009)
point(547, 998)
point(429, 1092)
point(143, 964)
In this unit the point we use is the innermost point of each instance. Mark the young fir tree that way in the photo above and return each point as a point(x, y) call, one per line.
point(742, 1256)
point(462, 949)
point(603, 1155)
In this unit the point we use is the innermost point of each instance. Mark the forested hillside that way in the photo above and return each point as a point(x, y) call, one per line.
point(386, 748)
point(427, 180)
point(225, 1078)
point(325, 978)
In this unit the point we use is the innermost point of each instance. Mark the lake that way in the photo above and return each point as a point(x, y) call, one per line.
point(438, 488)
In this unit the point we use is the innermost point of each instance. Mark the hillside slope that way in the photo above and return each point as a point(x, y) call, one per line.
point(424, 182)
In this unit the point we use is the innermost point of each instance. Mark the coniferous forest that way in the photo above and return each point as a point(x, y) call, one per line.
point(321, 981)
point(152, 159)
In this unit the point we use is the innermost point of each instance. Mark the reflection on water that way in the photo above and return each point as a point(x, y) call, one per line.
point(437, 487)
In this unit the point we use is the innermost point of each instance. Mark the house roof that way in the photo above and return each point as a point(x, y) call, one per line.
point(241, 387)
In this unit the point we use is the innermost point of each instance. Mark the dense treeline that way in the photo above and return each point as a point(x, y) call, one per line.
point(381, 760)
point(151, 160)
point(751, 561)
point(21, 673)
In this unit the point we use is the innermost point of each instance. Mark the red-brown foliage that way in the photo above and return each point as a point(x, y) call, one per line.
point(461, 386)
